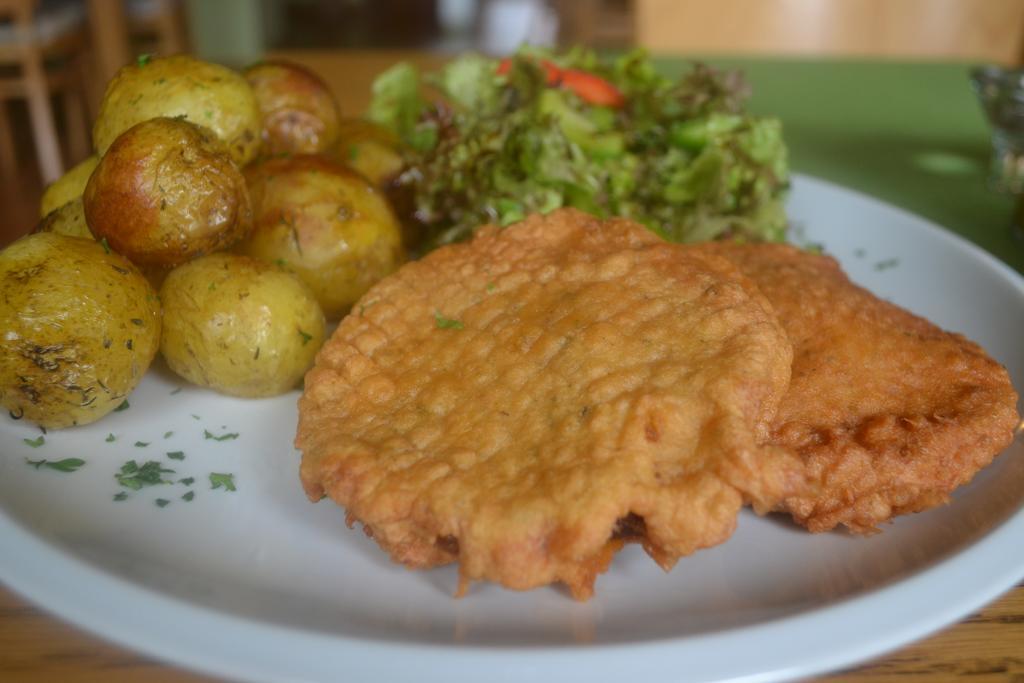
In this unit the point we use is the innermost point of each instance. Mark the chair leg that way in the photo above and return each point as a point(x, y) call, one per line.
point(44, 131)
point(8, 159)
point(74, 118)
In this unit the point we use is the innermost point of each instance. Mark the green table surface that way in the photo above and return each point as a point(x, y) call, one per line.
point(911, 134)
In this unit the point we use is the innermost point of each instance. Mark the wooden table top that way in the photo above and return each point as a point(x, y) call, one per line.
point(36, 647)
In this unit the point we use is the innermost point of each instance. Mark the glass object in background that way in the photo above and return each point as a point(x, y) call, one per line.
point(1001, 93)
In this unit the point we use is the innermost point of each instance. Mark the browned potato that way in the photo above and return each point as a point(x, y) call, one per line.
point(299, 112)
point(207, 94)
point(165, 192)
point(370, 149)
point(324, 222)
point(80, 326)
point(67, 220)
point(68, 187)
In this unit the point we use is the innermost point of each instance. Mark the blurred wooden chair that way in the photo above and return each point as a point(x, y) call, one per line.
point(156, 26)
point(43, 53)
point(984, 30)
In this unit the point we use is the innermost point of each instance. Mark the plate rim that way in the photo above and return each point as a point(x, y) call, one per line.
point(37, 570)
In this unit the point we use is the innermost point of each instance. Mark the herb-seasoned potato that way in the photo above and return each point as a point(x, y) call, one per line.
point(68, 187)
point(240, 326)
point(181, 86)
point(165, 192)
point(370, 149)
point(67, 220)
point(81, 326)
point(324, 222)
point(299, 112)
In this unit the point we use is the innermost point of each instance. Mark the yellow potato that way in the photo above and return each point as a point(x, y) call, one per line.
point(80, 327)
point(370, 149)
point(299, 112)
point(240, 326)
point(68, 187)
point(181, 86)
point(165, 192)
point(325, 223)
point(67, 220)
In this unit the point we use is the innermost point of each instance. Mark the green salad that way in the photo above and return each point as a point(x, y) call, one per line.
point(541, 130)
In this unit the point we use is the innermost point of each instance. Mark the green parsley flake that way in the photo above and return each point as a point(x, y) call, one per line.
point(106, 247)
point(111, 438)
point(887, 264)
point(124, 406)
point(219, 479)
point(444, 323)
point(120, 496)
point(305, 337)
point(207, 434)
point(168, 435)
point(141, 444)
point(491, 286)
point(189, 495)
point(35, 443)
point(176, 455)
point(133, 476)
point(66, 465)
point(187, 481)
point(194, 416)
point(144, 59)
point(162, 502)
point(176, 391)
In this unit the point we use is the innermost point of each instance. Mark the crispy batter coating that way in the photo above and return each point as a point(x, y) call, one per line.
point(527, 402)
point(888, 412)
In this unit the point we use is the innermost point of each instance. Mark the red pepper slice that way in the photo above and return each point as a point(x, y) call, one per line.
point(590, 88)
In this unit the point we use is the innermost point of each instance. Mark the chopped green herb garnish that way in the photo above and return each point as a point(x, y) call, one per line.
point(444, 323)
point(133, 476)
point(168, 435)
point(111, 438)
point(187, 481)
point(120, 496)
point(141, 444)
point(176, 391)
point(124, 406)
point(144, 59)
point(36, 442)
point(194, 416)
point(353, 152)
point(218, 479)
point(305, 337)
point(176, 455)
point(106, 247)
point(213, 286)
point(887, 264)
point(491, 286)
point(66, 465)
point(207, 434)
point(281, 262)
point(189, 495)
point(162, 502)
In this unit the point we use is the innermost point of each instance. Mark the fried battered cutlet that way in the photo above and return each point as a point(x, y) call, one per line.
point(888, 412)
point(527, 402)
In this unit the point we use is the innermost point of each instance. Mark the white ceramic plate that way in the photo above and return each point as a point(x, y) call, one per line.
point(259, 584)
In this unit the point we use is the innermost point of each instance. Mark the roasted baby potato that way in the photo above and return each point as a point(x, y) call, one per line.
point(165, 192)
point(207, 94)
point(370, 149)
point(81, 326)
point(68, 187)
point(67, 220)
point(299, 112)
point(239, 325)
point(324, 222)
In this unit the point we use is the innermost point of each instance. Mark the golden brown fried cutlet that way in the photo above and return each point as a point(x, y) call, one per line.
point(526, 402)
point(888, 412)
